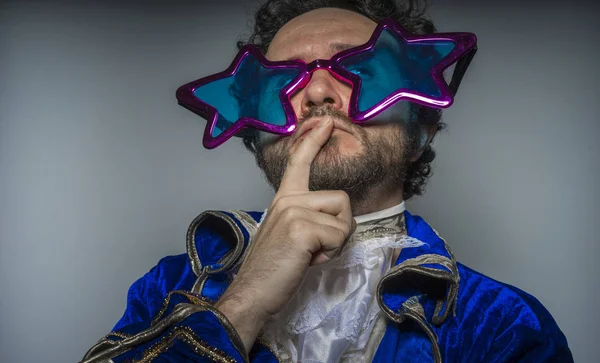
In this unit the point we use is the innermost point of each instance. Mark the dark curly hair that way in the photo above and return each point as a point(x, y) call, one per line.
point(273, 14)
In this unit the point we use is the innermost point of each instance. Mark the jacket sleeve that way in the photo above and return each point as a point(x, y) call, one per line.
point(524, 344)
point(528, 333)
point(166, 324)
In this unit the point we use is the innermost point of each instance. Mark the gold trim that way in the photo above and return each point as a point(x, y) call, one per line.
point(251, 234)
point(376, 337)
point(453, 293)
point(234, 254)
point(106, 349)
point(199, 283)
point(439, 305)
point(247, 221)
point(92, 355)
point(376, 232)
point(422, 260)
point(229, 257)
point(261, 340)
point(196, 300)
point(452, 277)
point(247, 251)
point(118, 334)
point(188, 336)
point(191, 243)
point(426, 271)
point(233, 334)
point(413, 309)
point(110, 349)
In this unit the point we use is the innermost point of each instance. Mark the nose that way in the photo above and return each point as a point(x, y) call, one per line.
point(322, 89)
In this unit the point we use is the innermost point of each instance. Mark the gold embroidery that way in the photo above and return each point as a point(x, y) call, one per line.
point(188, 336)
point(381, 228)
point(262, 341)
point(118, 334)
point(194, 299)
point(106, 349)
point(231, 332)
point(207, 304)
point(376, 232)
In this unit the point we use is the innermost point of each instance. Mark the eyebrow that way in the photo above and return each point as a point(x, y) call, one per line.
point(333, 47)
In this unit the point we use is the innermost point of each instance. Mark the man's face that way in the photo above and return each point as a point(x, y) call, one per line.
point(355, 158)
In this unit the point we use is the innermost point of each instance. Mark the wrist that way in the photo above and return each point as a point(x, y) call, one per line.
point(243, 315)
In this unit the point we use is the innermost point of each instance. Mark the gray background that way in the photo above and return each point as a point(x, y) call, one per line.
point(101, 171)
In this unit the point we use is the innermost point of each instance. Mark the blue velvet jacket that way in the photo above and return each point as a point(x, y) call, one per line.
point(437, 310)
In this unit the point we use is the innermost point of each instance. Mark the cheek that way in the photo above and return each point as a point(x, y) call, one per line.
point(296, 102)
point(280, 147)
point(389, 133)
point(348, 144)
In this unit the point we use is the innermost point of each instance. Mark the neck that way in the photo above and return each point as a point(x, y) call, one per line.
point(378, 198)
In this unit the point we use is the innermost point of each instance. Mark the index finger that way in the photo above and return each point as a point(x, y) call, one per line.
point(297, 172)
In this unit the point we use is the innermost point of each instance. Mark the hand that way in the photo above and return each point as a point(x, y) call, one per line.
point(302, 228)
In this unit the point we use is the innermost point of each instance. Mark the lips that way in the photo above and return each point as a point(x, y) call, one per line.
point(314, 122)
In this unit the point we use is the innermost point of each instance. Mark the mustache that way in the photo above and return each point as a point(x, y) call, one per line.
point(324, 111)
point(265, 139)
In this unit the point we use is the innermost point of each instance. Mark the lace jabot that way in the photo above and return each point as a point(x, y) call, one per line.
point(332, 314)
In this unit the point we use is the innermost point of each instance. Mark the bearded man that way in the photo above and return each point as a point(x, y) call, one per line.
point(339, 102)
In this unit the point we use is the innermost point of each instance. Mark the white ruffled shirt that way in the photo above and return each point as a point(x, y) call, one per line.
point(332, 314)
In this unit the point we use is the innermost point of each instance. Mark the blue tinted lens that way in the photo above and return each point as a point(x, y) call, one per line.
point(253, 91)
point(393, 64)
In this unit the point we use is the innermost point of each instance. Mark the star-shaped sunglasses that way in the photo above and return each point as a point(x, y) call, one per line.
point(393, 65)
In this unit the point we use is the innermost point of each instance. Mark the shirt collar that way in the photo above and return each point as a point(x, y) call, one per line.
point(381, 214)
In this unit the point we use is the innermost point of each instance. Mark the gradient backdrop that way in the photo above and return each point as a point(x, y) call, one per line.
point(101, 171)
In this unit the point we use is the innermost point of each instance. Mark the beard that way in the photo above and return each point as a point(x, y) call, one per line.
point(381, 160)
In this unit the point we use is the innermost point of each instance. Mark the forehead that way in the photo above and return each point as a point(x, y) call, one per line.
point(320, 34)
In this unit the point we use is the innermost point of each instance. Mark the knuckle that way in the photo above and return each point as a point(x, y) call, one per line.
point(291, 214)
point(281, 204)
point(343, 196)
point(297, 228)
point(341, 235)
